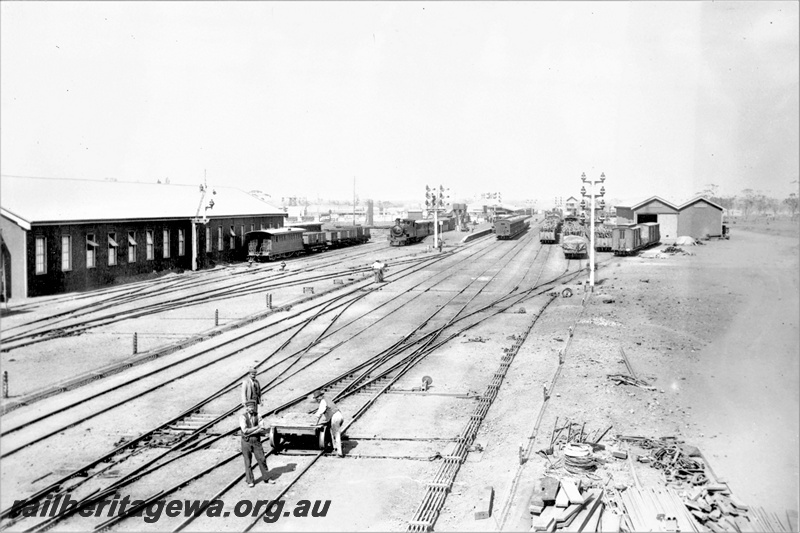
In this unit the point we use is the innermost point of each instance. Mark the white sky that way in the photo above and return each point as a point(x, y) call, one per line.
point(300, 98)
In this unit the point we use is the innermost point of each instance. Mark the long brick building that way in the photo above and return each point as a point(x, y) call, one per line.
point(64, 235)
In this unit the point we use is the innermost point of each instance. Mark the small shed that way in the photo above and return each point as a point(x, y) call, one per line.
point(700, 218)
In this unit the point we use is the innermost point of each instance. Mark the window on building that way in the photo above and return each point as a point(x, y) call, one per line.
point(181, 243)
point(132, 247)
point(261, 225)
point(91, 251)
point(113, 247)
point(166, 243)
point(41, 252)
point(220, 239)
point(208, 239)
point(149, 240)
point(233, 238)
point(66, 253)
point(252, 227)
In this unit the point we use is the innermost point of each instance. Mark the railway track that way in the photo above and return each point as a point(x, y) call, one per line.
point(56, 326)
point(434, 259)
point(353, 386)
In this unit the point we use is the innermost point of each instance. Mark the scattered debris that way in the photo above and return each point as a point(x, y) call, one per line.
point(624, 379)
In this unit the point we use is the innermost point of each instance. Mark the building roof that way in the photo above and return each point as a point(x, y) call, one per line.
point(700, 199)
point(57, 200)
point(635, 204)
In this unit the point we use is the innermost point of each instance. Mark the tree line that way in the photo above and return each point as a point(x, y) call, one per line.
point(753, 202)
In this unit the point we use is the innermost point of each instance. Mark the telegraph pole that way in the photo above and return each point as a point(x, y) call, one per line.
point(434, 201)
point(592, 195)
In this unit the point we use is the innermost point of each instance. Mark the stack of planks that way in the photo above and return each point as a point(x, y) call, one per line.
point(562, 506)
point(656, 509)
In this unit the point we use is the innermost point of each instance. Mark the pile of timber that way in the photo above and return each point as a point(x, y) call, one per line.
point(560, 505)
point(655, 509)
point(718, 510)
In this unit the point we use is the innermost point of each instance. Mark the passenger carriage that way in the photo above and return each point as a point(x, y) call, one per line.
point(270, 244)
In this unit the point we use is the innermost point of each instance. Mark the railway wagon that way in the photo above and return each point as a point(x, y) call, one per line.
point(575, 246)
point(406, 231)
point(548, 232)
point(602, 238)
point(314, 241)
point(651, 234)
point(572, 226)
point(270, 244)
point(332, 238)
point(626, 240)
point(362, 234)
point(510, 227)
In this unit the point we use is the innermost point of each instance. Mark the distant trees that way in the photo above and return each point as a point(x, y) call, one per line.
point(753, 202)
point(791, 203)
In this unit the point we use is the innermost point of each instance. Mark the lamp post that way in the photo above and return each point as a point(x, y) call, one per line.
point(592, 195)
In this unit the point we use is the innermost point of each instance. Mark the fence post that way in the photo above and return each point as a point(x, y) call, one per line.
point(135, 344)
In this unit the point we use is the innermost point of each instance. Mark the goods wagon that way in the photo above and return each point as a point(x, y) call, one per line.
point(602, 238)
point(628, 240)
point(572, 226)
point(574, 246)
point(266, 245)
point(549, 230)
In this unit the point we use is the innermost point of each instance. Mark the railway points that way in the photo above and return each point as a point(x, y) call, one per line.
point(367, 345)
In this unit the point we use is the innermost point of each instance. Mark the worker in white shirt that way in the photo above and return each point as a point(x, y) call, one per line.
point(252, 430)
point(378, 267)
point(328, 413)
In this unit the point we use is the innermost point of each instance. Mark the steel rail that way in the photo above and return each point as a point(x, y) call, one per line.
point(47, 490)
point(300, 398)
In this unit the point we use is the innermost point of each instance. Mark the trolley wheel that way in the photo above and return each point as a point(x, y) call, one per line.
point(566, 293)
point(322, 437)
point(273, 439)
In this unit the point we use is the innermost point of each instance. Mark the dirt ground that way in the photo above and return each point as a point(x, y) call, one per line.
point(716, 331)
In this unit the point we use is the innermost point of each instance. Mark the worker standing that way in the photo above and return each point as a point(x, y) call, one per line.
point(330, 415)
point(252, 429)
point(441, 244)
point(251, 389)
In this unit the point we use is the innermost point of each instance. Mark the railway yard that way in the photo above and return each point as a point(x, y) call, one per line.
point(483, 387)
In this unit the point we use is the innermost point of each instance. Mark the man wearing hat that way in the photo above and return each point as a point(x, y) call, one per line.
point(252, 429)
point(328, 413)
point(251, 389)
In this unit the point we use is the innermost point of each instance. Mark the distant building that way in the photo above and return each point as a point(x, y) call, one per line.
point(698, 218)
point(571, 206)
point(63, 235)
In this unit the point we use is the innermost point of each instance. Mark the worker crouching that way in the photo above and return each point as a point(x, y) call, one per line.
point(378, 267)
point(330, 415)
